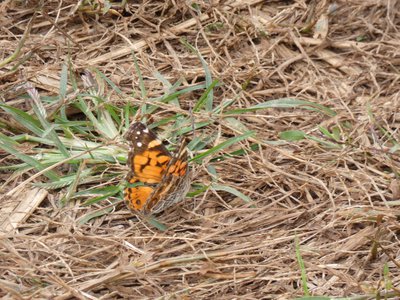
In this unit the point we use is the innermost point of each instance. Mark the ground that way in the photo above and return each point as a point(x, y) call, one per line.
point(302, 95)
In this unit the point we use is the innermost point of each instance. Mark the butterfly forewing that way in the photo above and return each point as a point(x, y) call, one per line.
point(174, 185)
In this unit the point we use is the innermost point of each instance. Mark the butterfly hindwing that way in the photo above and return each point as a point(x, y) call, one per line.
point(175, 183)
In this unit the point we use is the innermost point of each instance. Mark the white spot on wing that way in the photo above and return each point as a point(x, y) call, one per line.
point(139, 144)
point(146, 130)
point(138, 132)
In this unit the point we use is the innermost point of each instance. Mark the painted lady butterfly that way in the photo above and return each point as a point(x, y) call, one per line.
point(157, 179)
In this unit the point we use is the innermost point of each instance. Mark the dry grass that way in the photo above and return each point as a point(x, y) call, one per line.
point(341, 202)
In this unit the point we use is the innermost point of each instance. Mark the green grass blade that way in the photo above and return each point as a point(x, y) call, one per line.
point(326, 132)
point(198, 189)
point(324, 143)
point(142, 87)
point(99, 124)
point(172, 96)
point(106, 123)
point(41, 114)
point(188, 129)
point(127, 113)
point(103, 193)
point(63, 91)
point(223, 145)
point(64, 181)
point(196, 144)
point(236, 124)
point(171, 88)
point(212, 171)
point(73, 186)
point(109, 82)
point(204, 99)
point(20, 45)
point(112, 111)
point(253, 147)
point(14, 167)
point(24, 119)
point(292, 135)
point(162, 79)
point(155, 223)
point(208, 76)
point(54, 137)
point(86, 218)
point(63, 81)
point(9, 146)
point(232, 191)
point(302, 268)
point(224, 104)
point(387, 279)
point(285, 103)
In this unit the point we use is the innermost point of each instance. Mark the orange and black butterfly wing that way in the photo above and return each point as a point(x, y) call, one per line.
point(174, 185)
point(148, 161)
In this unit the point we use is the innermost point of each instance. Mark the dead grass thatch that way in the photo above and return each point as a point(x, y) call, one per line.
point(341, 202)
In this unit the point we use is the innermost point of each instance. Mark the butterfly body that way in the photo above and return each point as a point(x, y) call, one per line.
point(157, 179)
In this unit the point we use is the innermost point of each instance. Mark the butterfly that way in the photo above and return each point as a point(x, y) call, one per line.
point(157, 179)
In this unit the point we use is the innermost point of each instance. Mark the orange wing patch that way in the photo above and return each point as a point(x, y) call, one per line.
point(137, 195)
point(157, 179)
point(148, 167)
